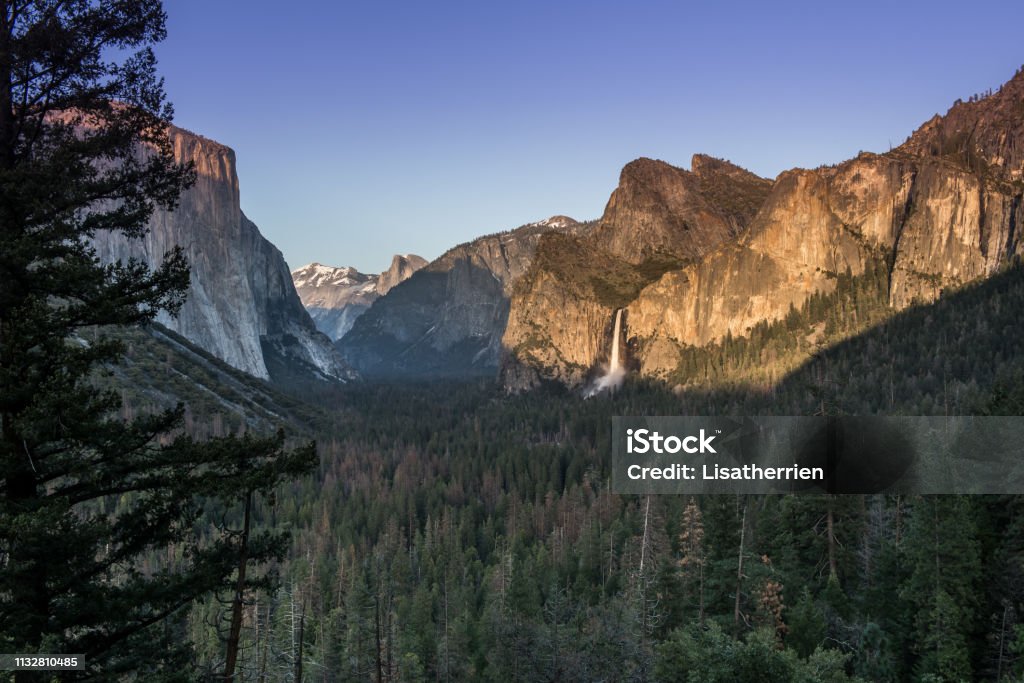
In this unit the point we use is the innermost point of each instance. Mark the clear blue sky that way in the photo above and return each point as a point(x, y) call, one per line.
point(363, 129)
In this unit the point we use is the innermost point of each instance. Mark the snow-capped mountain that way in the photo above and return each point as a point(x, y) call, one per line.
point(336, 297)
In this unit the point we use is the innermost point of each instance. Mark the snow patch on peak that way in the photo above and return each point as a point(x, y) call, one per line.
point(556, 222)
point(316, 275)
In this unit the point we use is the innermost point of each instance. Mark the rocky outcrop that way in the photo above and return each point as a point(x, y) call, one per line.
point(659, 210)
point(336, 297)
point(561, 311)
point(796, 247)
point(402, 268)
point(657, 220)
point(241, 306)
point(446, 320)
point(940, 211)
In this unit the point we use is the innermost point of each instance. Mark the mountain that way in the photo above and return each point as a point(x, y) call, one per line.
point(335, 297)
point(447, 319)
point(242, 306)
point(660, 210)
point(401, 269)
point(940, 211)
point(657, 220)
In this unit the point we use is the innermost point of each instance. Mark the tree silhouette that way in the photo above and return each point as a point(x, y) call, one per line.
point(86, 495)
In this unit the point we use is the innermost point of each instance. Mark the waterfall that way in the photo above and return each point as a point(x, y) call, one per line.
point(614, 373)
point(615, 342)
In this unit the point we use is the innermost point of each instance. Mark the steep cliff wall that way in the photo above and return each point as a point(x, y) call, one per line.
point(401, 269)
point(941, 210)
point(937, 222)
point(659, 210)
point(657, 220)
point(241, 303)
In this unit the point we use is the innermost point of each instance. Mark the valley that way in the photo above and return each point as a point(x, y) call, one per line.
point(216, 465)
point(460, 524)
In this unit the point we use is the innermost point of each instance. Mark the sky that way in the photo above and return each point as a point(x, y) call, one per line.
point(365, 129)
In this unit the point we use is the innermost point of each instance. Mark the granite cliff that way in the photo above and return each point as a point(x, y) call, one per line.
point(660, 210)
point(658, 219)
point(942, 210)
point(401, 269)
point(242, 307)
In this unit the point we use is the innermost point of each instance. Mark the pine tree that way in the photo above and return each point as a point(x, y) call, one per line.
point(84, 493)
point(943, 550)
point(693, 556)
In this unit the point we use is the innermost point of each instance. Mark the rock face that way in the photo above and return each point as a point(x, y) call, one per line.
point(241, 306)
point(657, 220)
point(561, 311)
point(661, 210)
point(335, 297)
point(446, 320)
point(943, 209)
point(402, 268)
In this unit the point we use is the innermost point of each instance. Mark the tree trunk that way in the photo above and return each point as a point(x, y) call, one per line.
point(643, 543)
point(234, 634)
point(376, 617)
point(739, 570)
point(33, 598)
point(262, 676)
point(302, 637)
point(701, 608)
point(830, 531)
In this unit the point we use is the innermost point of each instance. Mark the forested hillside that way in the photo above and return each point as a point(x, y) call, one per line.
point(453, 532)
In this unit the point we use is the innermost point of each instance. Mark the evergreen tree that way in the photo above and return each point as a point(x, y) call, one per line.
point(85, 494)
point(943, 551)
